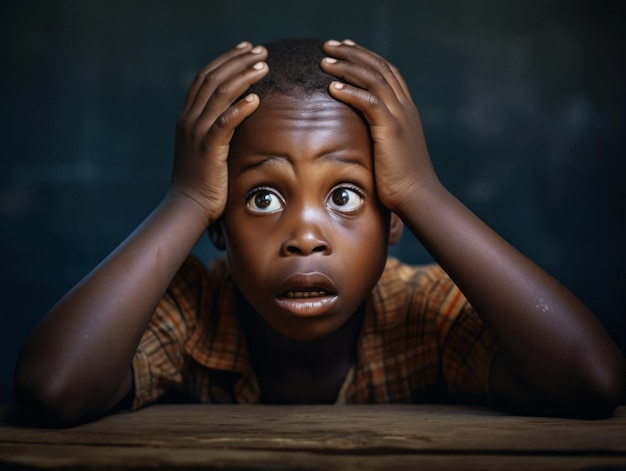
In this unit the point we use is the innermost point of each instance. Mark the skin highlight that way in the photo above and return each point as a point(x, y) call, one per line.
point(276, 173)
point(306, 239)
point(304, 156)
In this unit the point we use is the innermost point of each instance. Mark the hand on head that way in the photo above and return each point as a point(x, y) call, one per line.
point(367, 82)
point(207, 122)
point(375, 87)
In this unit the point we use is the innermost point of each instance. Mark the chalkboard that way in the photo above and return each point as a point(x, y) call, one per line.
point(523, 105)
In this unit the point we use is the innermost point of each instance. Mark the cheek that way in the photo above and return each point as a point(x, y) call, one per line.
point(375, 236)
point(246, 264)
point(363, 243)
point(371, 229)
point(250, 243)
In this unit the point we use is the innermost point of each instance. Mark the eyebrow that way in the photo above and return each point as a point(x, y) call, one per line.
point(274, 159)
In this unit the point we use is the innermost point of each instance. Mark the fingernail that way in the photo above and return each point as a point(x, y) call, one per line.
point(349, 42)
point(257, 50)
point(242, 44)
point(338, 85)
point(259, 65)
point(250, 98)
point(333, 42)
point(330, 60)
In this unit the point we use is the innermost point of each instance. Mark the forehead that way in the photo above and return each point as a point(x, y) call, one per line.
point(315, 124)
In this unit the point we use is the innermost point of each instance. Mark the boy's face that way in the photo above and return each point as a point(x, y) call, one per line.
point(305, 233)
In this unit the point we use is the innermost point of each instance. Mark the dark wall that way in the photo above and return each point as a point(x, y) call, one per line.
point(523, 105)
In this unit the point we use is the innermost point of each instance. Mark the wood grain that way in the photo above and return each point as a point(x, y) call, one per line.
point(320, 437)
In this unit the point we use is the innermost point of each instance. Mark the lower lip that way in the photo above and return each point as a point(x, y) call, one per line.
point(307, 307)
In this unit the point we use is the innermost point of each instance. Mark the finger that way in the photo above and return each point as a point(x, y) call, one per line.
point(348, 52)
point(241, 48)
point(373, 108)
point(220, 69)
point(401, 81)
point(362, 77)
point(379, 60)
point(222, 130)
point(229, 91)
point(215, 78)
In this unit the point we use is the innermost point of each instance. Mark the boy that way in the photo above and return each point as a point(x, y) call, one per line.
point(302, 159)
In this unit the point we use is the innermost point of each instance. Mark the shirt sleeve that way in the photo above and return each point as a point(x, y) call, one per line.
point(159, 363)
point(467, 348)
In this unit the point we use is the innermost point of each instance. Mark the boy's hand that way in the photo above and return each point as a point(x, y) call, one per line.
point(207, 122)
point(376, 88)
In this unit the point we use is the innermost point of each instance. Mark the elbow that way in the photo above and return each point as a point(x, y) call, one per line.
point(602, 390)
point(597, 405)
point(592, 391)
point(44, 400)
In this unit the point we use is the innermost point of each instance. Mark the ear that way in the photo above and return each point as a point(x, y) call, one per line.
point(396, 227)
point(216, 233)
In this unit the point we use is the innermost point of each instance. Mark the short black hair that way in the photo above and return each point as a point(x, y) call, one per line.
point(294, 69)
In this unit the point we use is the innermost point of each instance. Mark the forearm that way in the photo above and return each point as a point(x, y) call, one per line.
point(79, 356)
point(547, 336)
point(77, 362)
point(549, 341)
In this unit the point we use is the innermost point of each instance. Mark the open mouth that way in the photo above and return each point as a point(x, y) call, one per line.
point(306, 293)
point(306, 286)
point(307, 302)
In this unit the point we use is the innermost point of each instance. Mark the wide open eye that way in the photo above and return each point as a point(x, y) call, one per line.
point(264, 201)
point(345, 199)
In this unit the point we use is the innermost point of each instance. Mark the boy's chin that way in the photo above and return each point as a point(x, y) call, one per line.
point(306, 329)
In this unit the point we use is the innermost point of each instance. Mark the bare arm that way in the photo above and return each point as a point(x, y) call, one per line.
point(76, 365)
point(554, 356)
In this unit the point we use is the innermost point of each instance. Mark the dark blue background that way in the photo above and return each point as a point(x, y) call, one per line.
point(523, 106)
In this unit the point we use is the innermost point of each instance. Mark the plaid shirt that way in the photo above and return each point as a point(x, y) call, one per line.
point(420, 341)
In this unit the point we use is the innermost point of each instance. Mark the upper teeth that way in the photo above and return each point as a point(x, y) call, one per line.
point(305, 294)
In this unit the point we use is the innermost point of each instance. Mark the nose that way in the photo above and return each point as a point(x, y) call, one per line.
point(306, 236)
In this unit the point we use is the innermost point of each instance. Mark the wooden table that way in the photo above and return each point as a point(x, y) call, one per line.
point(319, 437)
